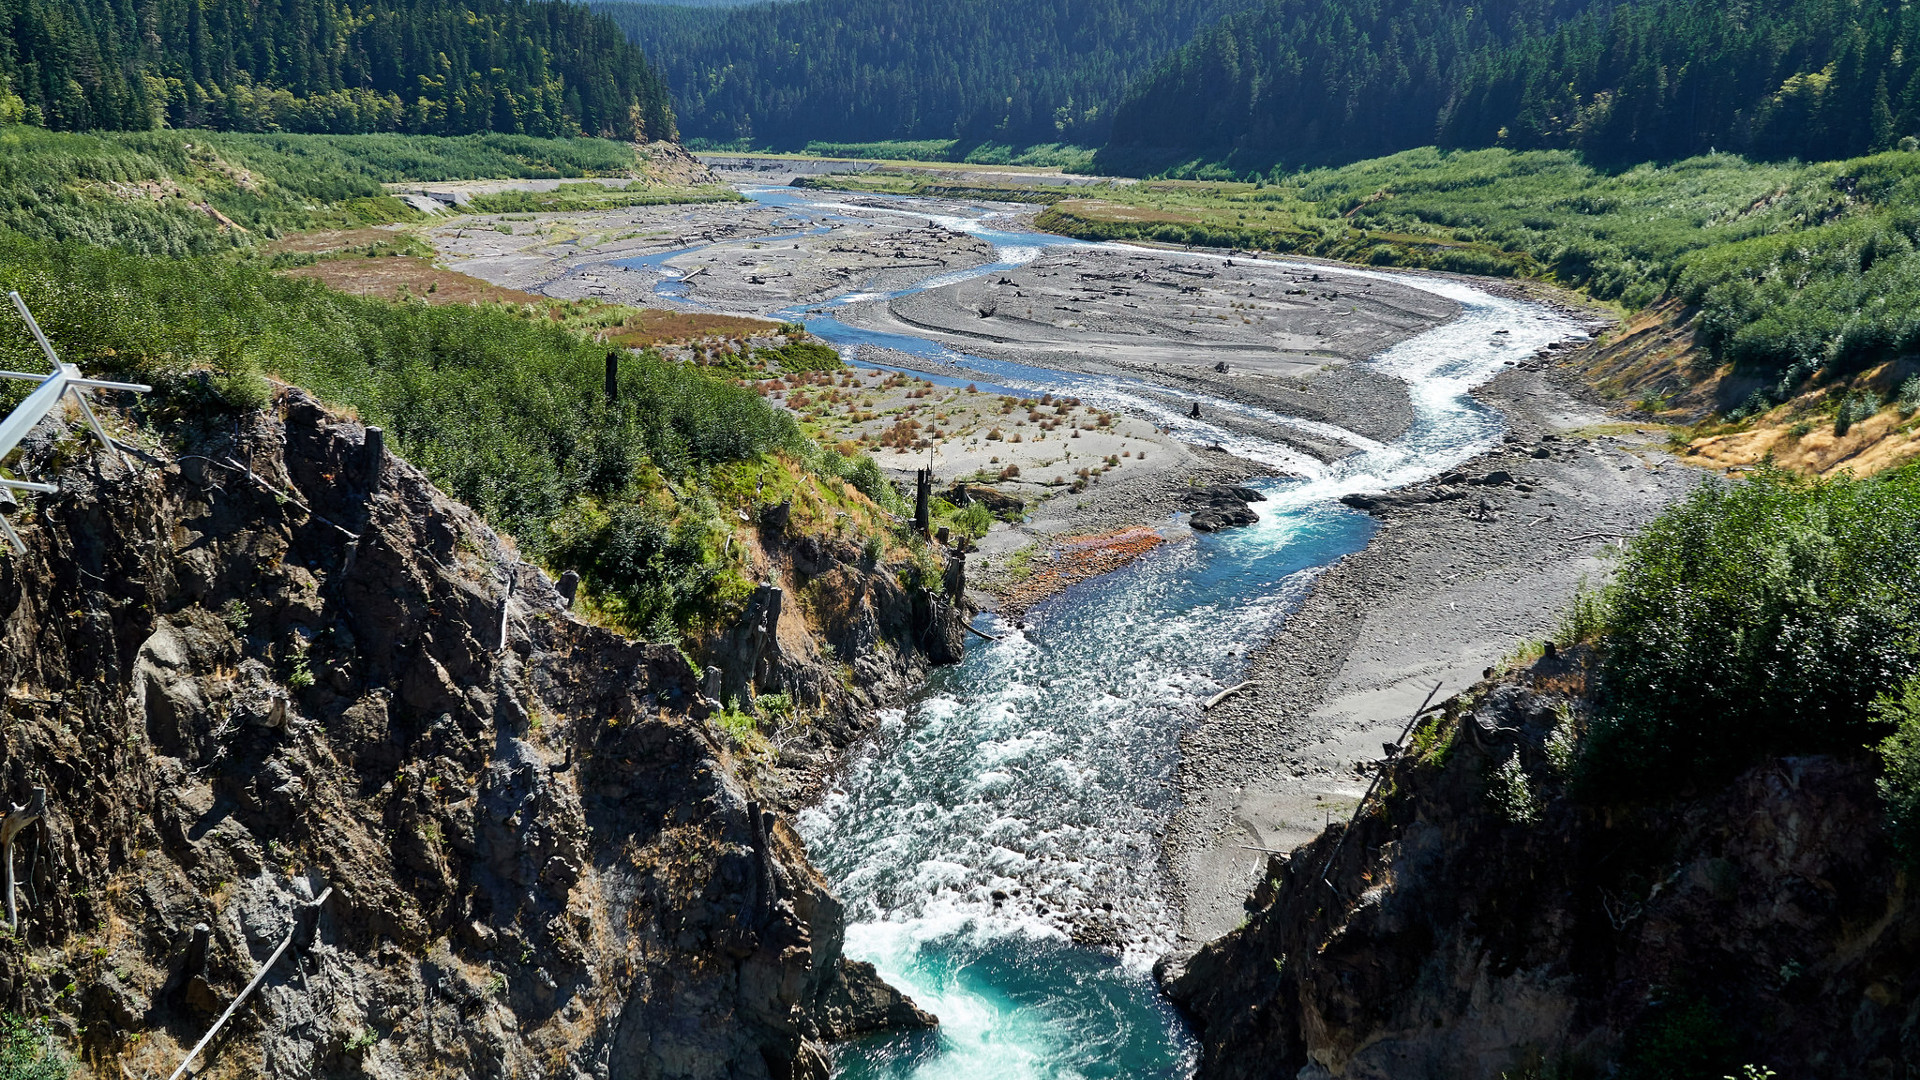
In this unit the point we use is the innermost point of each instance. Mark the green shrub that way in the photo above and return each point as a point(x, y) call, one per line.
point(1908, 397)
point(801, 356)
point(1857, 406)
point(973, 520)
point(1900, 767)
point(1756, 618)
point(28, 1052)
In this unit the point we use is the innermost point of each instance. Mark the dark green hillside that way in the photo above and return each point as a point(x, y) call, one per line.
point(1310, 82)
point(340, 66)
point(1045, 71)
point(1812, 79)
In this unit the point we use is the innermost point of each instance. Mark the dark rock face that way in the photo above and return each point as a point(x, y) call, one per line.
point(995, 500)
point(546, 861)
point(1481, 922)
point(1222, 506)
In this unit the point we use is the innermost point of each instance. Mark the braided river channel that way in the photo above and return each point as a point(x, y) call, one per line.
point(1028, 787)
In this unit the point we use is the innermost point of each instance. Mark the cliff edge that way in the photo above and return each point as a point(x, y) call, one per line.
point(1478, 921)
point(267, 661)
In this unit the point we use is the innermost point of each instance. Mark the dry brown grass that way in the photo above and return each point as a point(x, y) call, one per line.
point(394, 277)
point(658, 326)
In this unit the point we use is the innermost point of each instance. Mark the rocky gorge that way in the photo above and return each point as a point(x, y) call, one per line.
point(270, 659)
point(1482, 918)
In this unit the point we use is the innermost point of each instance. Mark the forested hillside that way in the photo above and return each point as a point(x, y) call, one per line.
point(340, 66)
point(1012, 71)
point(1308, 82)
point(1315, 81)
point(1812, 79)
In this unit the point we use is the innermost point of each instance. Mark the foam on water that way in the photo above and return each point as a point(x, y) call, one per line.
point(1026, 790)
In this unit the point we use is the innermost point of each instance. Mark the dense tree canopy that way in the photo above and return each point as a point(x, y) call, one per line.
point(1812, 79)
point(1019, 71)
point(341, 66)
point(1306, 82)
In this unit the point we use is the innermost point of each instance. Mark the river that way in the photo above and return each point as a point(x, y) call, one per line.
point(1027, 788)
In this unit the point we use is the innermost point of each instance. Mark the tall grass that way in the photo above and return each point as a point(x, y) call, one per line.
point(505, 410)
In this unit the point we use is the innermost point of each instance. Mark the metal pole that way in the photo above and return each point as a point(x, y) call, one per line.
point(258, 978)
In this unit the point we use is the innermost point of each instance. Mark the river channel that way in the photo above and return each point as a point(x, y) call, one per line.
point(1026, 790)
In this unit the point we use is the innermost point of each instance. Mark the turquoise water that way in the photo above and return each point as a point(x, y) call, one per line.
point(1025, 790)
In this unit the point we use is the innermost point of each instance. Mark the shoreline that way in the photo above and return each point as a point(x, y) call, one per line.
point(1437, 595)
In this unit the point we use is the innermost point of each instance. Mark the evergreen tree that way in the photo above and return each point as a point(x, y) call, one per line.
point(341, 66)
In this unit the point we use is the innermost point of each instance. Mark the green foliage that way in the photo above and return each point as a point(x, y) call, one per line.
point(1859, 405)
point(302, 675)
point(1511, 793)
point(101, 187)
point(1793, 267)
point(1811, 79)
point(774, 705)
point(972, 520)
point(1305, 82)
point(802, 355)
point(1907, 399)
point(577, 197)
point(1003, 73)
point(28, 1052)
point(1756, 618)
point(504, 410)
point(742, 727)
point(1900, 767)
point(651, 568)
point(440, 67)
point(1063, 156)
point(1309, 81)
point(864, 474)
point(1683, 1038)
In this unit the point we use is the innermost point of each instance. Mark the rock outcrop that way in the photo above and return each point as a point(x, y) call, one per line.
point(1479, 922)
point(261, 664)
point(1221, 506)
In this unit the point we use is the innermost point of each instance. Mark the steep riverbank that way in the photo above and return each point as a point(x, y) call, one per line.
point(265, 661)
point(1482, 922)
point(1458, 576)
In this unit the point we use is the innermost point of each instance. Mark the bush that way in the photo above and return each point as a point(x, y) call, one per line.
point(1908, 398)
point(1756, 618)
point(973, 520)
point(27, 1052)
point(1859, 405)
point(1900, 767)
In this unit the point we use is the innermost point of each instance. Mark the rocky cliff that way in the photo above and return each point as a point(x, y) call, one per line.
point(265, 661)
point(1480, 922)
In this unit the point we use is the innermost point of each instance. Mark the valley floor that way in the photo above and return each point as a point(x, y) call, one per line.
point(1445, 590)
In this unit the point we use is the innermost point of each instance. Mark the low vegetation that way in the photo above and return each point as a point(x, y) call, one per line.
point(178, 193)
point(575, 198)
point(502, 405)
point(1776, 615)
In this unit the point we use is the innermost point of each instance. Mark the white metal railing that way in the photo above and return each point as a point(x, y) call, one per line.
point(66, 379)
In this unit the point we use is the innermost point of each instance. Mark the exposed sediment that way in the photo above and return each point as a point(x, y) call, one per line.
point(1458, 575)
